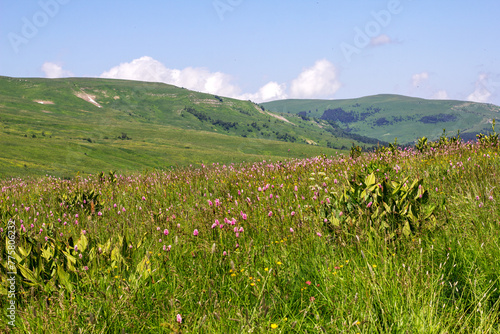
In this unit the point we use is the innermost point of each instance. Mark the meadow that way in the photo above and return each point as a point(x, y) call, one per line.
point(394, 241)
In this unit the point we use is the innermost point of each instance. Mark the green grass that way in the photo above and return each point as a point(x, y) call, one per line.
point(443, 278)
point(73, 135)
point(403, 112)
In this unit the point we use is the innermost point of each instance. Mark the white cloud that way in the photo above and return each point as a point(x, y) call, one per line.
point(317, 81)
point(270, 91)
point(441, 95)
point(418, 78)
point(481, 93)
point(53, 70)
point(381, 40)
point(198, 79)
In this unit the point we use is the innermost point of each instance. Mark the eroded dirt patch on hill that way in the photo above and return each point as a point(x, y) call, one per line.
point(43, 101)
point(88, 98)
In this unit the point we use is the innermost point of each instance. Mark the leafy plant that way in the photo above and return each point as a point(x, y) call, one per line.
point(392, 208)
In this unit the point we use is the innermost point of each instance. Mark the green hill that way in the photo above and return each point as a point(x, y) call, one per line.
point(386, 117)
point(61, 126)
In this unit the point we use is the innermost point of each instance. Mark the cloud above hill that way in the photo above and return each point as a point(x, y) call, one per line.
point(317, 81)
point(320, 80)
point(481, 92)
point(198, 79)
point(53, 70)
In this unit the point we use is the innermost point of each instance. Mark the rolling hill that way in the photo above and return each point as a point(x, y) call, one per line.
point(386, 117)
point(64, 126)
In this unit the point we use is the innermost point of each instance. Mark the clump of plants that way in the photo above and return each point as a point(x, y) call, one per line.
point(390, 209)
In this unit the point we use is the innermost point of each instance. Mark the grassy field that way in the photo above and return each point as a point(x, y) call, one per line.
point(386, 116)
point(399, 241)
point(64, 126)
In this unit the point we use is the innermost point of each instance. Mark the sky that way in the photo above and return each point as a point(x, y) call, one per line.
point(263, 50)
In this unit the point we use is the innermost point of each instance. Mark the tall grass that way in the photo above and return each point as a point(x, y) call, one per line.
point(245, 248)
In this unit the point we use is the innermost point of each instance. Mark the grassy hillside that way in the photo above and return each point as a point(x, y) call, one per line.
point(386, 117)
point(61, 126)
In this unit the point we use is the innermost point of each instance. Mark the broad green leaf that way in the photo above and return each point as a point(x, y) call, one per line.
point(370, 180)
point(82, 243)
point(406, 229)
point(28, 274)
point(64, 278)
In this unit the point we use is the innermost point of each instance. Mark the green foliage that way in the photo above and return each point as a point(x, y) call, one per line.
point(491, 139)
point(355, 152)
point(86, 200)
point(389, 209)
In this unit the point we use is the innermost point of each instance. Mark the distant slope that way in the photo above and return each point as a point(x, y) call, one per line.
point(61, 126)
point(388, 116)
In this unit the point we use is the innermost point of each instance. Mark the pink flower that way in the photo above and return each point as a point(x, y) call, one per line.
point(340, 213)
point(143, 198)
point(99, 213)
point(293, 213)
point(296, 189)
point(165, 232)
point(291, 230)
point(369, 204)
point(312, 299)
point(318, 234)
point(308, 282)
point(179, 318)
point(224, 253)
point(85, 268)
point(195, 232)
point(76, 216)
point(270, 214)
point(209, 203)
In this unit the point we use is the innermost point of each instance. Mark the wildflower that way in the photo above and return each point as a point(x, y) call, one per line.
point(293, 213)
point(369, 204)
point(312, 299)
point(490, 198)
point(319, 234)
point(308, 282)
point(224, 253)
point(46, 238)
point(99, 213)
point(143, 198)
point(165, 232)
point(270, 214)
point(80, 255)
point(296, 189)
point(84, 232)
point(76, 216)
point(291, 230)
point(179, 318)
point(85, 268)
point(274, 326)
point(340, 214)
point(195, 232)
point(76, 248)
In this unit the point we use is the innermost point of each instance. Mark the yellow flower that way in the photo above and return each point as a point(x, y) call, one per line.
point(266, 269)
point(374, 266)
point(250, 277)
point(274, 326)
point(233, 275)
point(252, 284)
point(279, 263)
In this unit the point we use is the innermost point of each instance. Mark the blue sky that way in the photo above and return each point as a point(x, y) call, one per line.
point(263, 50)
